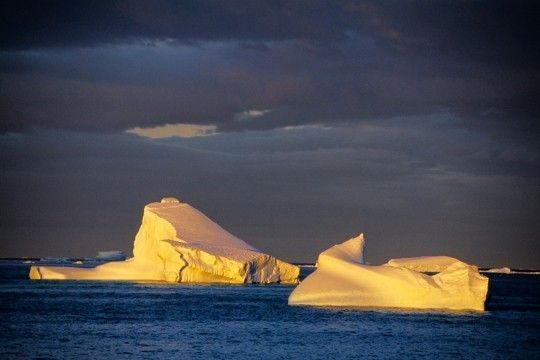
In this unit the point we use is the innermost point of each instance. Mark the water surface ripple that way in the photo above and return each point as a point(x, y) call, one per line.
point(52, 319)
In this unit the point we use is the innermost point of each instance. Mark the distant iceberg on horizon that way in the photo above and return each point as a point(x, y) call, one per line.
point(178, 243)
point(502, 270)
point(110, 255)
point(343, 279)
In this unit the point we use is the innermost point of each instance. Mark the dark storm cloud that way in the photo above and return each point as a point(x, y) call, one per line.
point(490, 28)
point(82, 23)
point(309, 62)
point(105, 89)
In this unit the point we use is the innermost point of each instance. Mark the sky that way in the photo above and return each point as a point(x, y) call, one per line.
point(294, 125)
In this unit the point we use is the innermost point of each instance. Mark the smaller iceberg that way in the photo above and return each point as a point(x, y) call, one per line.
point(503, 270)
point(343, 279)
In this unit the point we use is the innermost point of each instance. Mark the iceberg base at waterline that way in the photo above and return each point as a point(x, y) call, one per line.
point(342, 279)
point(178, 243)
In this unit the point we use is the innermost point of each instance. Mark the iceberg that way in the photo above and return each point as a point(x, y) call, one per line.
point(343, 279)
point(503, 270)
point(178, 243)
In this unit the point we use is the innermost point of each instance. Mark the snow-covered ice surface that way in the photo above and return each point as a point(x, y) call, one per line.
point(343, 279)
point(127, 320)
point(178, 243)
point(424, 263)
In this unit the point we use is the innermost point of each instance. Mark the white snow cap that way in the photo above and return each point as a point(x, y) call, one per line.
point(170, 200)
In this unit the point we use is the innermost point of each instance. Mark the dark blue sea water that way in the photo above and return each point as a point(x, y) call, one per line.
point(52, 319)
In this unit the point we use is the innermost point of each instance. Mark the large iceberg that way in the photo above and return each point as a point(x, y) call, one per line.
point(178, 243)
point(343, 279)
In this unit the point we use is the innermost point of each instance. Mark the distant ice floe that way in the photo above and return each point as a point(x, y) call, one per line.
point(508, 271)
point(503, 270)
point(178, 243)
point(113, 255)
point(343, 279)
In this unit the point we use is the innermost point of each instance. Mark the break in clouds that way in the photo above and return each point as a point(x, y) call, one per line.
point(294, 125)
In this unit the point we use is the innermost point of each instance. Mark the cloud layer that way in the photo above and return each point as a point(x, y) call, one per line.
point(415, 122)
point(106, 68)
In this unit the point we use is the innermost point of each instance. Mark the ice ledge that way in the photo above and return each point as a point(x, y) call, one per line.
point(178, 243)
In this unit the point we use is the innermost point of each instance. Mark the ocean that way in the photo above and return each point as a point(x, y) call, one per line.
point(123, 320)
